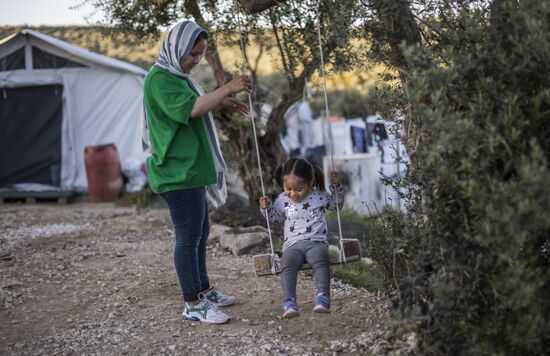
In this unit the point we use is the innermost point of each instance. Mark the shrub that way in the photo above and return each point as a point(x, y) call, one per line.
point(389, 252)
point(477, 230)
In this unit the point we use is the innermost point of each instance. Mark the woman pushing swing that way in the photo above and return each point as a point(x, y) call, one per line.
point(185, 165)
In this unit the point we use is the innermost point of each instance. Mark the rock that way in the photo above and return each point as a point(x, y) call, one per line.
point(240, 243)
point(336, 346)
point(216, 231)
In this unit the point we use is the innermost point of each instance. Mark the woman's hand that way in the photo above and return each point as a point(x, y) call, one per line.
point(215, 100)
point(264, 202)
point(334, 178)
point(233, 104)
point(240, 83)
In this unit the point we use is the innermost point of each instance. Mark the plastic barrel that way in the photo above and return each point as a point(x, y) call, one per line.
point(103, 172)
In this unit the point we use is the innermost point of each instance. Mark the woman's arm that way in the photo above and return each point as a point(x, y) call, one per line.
point(210, 101)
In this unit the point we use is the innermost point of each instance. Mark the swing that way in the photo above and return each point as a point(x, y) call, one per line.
point(264, 264)
point(350, 249)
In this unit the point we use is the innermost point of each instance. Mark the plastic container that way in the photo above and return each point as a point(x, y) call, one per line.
point(103, 172)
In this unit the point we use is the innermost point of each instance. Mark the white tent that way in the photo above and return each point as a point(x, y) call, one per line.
point(56, 99)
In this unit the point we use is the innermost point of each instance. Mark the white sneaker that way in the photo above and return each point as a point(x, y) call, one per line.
point(217, 297)
point(205, 312)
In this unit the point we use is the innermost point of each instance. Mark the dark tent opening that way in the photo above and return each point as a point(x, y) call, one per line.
point(30, 135)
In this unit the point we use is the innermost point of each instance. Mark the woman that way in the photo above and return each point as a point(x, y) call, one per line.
point(185, 165)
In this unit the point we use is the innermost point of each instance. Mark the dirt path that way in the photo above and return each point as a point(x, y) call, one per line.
point(85, 278)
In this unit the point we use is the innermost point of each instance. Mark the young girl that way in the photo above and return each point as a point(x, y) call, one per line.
point(302, 207)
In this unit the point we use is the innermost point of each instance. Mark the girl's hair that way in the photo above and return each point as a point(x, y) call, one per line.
point(301, 168)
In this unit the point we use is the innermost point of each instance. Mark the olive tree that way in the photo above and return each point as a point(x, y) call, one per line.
point(292, 30)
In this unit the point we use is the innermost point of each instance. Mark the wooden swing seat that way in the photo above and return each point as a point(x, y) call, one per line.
point(264, 262)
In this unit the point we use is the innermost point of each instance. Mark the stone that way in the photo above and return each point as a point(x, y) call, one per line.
point(240, 243)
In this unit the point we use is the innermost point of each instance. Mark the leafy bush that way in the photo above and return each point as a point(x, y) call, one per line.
point(390, 253)
point(477, 231)
point(349, 103)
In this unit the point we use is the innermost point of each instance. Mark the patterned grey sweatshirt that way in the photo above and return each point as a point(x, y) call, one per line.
point(305, 220)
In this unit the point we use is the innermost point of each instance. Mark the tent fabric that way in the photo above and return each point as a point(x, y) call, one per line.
point(13, 61)
point(64, 49)
point(101, 99)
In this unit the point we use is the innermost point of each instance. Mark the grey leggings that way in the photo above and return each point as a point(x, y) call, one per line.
point(313, 252)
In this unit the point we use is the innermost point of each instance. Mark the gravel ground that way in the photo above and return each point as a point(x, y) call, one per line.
point(98, 279)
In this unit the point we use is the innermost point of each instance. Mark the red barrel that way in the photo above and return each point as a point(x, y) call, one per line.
point(103, 172)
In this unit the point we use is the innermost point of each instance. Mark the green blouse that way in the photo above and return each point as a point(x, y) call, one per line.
point(181, 157)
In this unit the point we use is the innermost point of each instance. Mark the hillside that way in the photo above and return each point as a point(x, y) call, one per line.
point(141, 53)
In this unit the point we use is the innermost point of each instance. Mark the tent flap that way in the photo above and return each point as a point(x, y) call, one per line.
point(31, 137)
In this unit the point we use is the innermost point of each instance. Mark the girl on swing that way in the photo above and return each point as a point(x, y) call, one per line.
point(302, 206)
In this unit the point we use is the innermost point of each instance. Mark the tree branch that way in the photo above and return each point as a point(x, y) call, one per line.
point(281, 51)
point(255, 6)
point(212, 56)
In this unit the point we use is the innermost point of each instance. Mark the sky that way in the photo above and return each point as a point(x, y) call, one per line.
point(43, 12)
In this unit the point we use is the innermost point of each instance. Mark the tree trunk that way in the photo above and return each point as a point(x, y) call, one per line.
point(240, 146)
point(398, 20)
point(212, 56)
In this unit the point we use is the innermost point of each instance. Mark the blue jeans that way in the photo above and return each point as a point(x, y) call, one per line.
point(189, 213)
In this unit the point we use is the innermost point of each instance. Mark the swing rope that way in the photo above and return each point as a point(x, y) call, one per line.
point(327, 117)
point(252, 119)
point(342, 257)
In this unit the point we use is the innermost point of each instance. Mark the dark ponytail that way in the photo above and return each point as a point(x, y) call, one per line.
point(319, 178)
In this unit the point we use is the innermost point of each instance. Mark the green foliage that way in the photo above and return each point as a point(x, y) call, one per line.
point(141, 18)
point(387, 246)
point(349, 103)
point(353, 226)
point(477, 230)
point(384, 99)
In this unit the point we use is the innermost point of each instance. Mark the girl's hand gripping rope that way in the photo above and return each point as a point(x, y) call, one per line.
point(334, 178)
point(264, 202)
